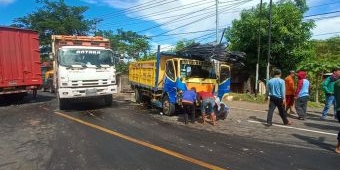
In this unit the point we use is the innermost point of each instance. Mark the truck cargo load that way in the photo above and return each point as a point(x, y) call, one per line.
point(19, 61)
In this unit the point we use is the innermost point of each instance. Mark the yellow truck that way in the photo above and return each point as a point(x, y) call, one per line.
point(162, 80)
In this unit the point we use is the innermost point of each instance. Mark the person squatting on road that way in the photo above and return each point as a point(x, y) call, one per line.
point(336, 80)
point(276, 93)
point(302, 95)
point(221, 109)
point(289, 82)
point(188, 103)
point(207, 104)
point(328, 88)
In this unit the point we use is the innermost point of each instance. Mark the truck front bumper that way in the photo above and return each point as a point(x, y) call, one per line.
point(86, 92)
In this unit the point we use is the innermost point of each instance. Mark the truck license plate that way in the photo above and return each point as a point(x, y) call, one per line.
point(91, 92)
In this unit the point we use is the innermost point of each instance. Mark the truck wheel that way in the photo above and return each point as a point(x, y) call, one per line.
point(168, 108)
point(108, 100)
point(62, 104)
point(137, 96)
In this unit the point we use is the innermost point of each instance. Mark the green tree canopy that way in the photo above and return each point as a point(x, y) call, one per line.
point(290, 35)
point(127, 42)
point(55, 17)
point(182, 44)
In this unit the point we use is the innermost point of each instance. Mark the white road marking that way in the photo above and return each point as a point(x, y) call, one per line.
point(301, 129)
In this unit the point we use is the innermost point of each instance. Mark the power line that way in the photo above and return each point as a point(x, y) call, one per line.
point(329, 33)
point(203, 18)
point(140, 8)
point(175, 9)
point(324, 4)
point(326, 13)
point(127, 9)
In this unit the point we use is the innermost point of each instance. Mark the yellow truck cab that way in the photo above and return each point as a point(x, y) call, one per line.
point(162, 80)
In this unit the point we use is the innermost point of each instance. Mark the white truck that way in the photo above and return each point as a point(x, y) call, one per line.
point(84, 68)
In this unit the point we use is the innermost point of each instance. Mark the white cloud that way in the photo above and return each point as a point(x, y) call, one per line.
point(174, 25)
point(323, 27)
point(90, 1)
point(6, 2)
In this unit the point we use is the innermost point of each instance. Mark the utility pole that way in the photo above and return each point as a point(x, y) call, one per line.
point(258, 51)
point(269, 39)
point(217, 21)
point(216, 63)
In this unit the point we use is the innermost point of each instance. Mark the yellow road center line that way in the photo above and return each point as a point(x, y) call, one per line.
point(158, 148)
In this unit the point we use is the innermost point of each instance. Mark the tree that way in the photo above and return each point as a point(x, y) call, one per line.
point(55, 17)
point(325, 54)
point(182, 44)
point(290, 35)
point(127, 43)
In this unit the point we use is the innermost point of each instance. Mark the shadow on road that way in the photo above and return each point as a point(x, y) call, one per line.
point(88, 105)
point(323, 127)
point(318, 142)
point(8, 100)
point(257, 119)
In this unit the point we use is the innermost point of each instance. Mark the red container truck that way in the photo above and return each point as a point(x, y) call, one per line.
point(19, 61)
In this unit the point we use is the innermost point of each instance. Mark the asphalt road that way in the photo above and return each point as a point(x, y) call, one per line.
point(36, 135)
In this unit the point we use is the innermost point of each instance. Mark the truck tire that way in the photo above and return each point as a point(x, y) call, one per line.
point(168, 108)
point(108, 100)
point(62, 104)
point(137, 96)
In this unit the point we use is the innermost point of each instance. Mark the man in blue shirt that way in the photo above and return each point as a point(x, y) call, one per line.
point(276, 93)
point(189, 98)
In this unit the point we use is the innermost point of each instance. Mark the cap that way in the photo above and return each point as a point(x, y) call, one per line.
point(292, 72)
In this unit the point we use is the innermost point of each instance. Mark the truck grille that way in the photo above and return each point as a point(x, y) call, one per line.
point(90, 82)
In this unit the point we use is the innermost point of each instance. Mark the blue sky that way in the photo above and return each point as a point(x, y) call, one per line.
point(162, 19)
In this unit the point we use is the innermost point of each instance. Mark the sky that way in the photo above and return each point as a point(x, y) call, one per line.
point(168, 21)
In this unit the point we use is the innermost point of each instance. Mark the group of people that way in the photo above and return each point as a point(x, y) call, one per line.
point(210, 105)
point(283, 94)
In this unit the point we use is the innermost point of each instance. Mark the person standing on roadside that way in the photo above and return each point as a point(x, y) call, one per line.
point(188, 101)
point(336, 80)
point(328, 88)
point(289, 82)
point(276, 93)
point(302, 95)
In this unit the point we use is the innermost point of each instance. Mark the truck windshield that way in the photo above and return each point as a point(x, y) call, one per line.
point(197, 69)
point(84, 57)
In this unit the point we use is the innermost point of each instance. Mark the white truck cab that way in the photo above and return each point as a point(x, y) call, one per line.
point(83, 69)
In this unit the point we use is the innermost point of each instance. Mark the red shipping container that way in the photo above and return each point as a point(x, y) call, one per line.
point(19, 60)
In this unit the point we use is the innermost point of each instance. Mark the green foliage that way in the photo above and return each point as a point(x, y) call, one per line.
point(290, 35)
point(325, 56)
point(55, 17)
point(122, 67)
point(127, 42)
point(148, 57)
point(182, 44)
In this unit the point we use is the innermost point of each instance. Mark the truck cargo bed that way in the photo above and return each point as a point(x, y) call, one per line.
point(19, 59)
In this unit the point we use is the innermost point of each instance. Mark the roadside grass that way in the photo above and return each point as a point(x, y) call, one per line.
point(261, 99)
point(248, 97)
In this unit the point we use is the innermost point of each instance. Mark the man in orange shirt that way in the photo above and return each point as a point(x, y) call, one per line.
point(289, 81)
